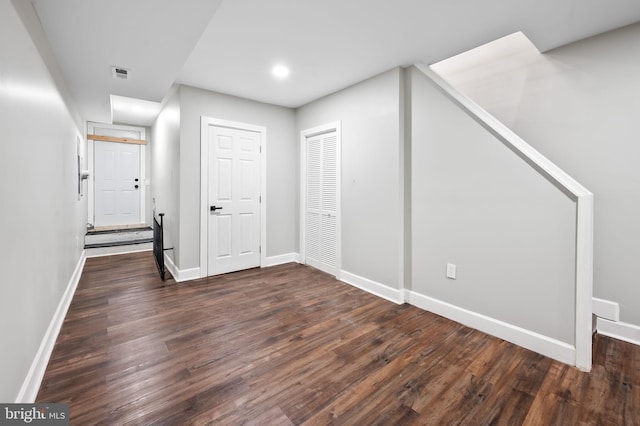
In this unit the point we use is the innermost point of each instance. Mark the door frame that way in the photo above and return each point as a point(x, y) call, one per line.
point(205, 122)
point(314, 131)
point(113, 131)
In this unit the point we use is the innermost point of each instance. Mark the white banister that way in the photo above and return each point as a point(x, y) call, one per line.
point(582, 196)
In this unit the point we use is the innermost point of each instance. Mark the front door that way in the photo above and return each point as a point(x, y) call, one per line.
point(117, 183)
point(233, 240)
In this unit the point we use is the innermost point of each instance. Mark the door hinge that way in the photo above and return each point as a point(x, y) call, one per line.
point(259, 249)
point(260, 149)
point(260, 198)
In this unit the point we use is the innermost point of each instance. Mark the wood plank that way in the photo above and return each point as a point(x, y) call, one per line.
point(291, 345)
point(116, 139)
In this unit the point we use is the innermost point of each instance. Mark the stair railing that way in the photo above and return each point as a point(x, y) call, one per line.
point(158, 244)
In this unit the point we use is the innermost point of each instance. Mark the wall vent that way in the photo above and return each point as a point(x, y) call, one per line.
point(120, 73)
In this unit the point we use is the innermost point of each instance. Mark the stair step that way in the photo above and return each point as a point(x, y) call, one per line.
point(118, 243)
point(117, 237)
point(128, 248)
point(98, 231)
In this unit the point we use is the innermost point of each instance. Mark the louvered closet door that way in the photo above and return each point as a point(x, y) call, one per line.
point(322, 202)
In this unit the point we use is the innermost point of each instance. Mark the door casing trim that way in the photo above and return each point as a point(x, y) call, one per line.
point(205, 122)
point(91, 200)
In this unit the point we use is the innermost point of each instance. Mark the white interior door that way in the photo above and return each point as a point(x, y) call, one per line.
point(322, 199)
point(233, 200)
point(117, 183)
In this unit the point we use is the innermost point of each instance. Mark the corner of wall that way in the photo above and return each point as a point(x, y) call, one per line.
point(405, 141)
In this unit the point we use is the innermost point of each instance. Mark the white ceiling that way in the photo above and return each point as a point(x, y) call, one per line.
point(229, 46)
point(152, 38)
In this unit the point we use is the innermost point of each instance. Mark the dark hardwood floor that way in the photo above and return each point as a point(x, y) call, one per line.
point(291, 345)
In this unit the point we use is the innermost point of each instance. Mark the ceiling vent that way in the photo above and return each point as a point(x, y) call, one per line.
point(121, 73)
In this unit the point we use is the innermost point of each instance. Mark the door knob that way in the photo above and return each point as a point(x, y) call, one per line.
point(135, 186)
point(214, 208)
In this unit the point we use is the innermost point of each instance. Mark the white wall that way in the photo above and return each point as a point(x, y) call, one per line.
point(165, 168)
point(372, 225)
point(282, 168)
point(42, 222)
point(476, 204)
point(579, 106)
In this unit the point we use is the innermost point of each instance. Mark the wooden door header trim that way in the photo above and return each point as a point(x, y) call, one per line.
point(115, 139)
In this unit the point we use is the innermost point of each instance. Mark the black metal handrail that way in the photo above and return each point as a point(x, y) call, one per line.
point(158, 243)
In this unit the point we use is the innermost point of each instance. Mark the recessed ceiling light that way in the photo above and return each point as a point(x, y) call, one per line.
point(280, 71)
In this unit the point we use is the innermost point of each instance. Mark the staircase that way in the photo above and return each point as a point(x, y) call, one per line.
point(114, 240)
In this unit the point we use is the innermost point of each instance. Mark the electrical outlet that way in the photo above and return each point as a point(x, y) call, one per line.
point(451, 271)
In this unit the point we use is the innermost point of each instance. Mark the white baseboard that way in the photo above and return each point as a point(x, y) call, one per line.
point(32, 381)
point(606, 309)
point(619, 330)
point(544, 345)
point(281, 259)
point(173, 270)
point(392, 294)
point(180, 275)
